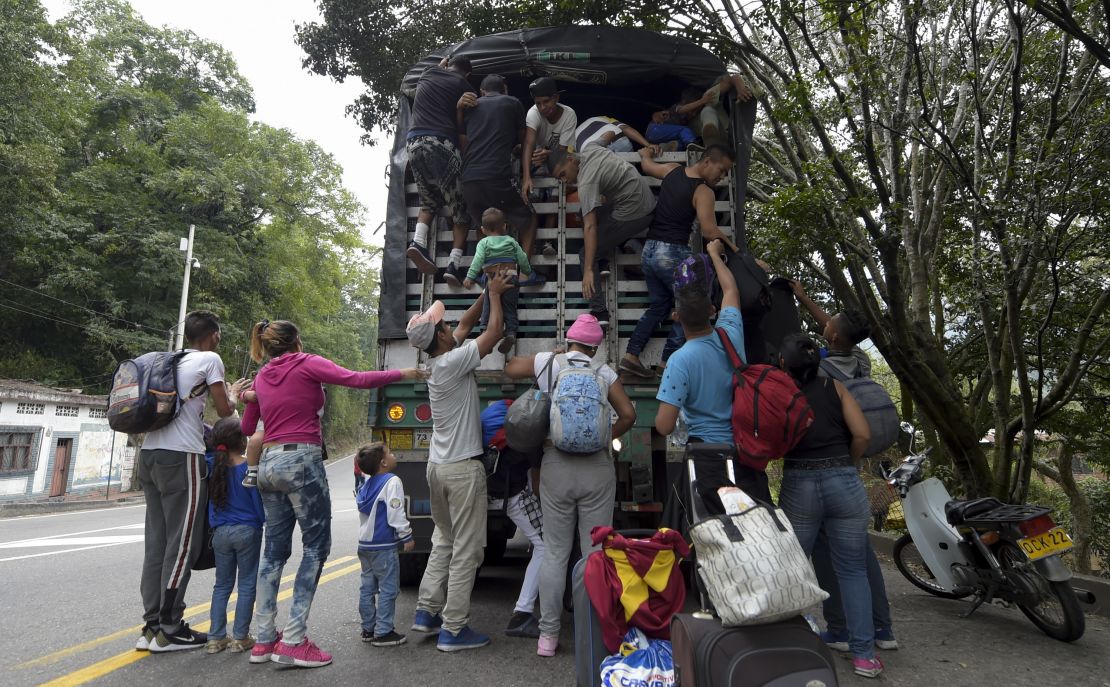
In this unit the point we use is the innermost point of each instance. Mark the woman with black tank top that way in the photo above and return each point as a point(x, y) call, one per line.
point(685, 195)
point(822, 490)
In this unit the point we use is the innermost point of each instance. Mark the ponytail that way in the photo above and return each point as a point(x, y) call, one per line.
point(227, 437)
point(273, 338)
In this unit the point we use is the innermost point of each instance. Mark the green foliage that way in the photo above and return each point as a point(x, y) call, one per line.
point(114, 137)
point(1098, 493)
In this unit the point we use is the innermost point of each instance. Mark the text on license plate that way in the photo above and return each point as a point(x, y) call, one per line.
point(1056, 540)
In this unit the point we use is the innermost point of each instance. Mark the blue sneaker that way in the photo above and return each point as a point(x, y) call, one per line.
point(534, 279)
point(465, 639)
point(884, 639)
point(427, 623)
point(837, 641)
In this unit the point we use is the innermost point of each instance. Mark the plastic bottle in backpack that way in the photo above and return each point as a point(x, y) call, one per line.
point(681, 432)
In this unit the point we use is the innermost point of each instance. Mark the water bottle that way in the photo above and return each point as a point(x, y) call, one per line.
point(681, 432)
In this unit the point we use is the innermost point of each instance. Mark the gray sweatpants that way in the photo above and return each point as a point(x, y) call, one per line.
point(576, 495)
point(176, 504)
point(610, 234)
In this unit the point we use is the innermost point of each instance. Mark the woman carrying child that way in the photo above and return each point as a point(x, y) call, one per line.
point(236, 516)
point(292, 480)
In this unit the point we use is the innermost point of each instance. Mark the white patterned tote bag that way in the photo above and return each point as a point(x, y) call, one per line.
point(753, 568)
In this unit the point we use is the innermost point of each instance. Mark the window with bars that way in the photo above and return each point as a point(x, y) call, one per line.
point(67, 411)
point(15, 451)
point(30, 409)
point(98, 413)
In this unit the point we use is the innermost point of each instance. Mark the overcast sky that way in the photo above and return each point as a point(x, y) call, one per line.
point(259, 33)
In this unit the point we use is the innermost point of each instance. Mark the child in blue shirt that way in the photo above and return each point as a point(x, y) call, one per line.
point(381, 506)
point(236, 517)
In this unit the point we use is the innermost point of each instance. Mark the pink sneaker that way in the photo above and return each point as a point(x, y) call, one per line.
point(547, 645)
point(304, 655)
point(868, 667)
point(261, 651)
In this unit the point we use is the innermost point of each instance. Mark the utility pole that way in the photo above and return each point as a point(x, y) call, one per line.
point(187, 246)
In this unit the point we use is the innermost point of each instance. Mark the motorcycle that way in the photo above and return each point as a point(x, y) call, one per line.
point(985, 548)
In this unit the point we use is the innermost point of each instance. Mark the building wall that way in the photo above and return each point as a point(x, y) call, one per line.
point(91, 454)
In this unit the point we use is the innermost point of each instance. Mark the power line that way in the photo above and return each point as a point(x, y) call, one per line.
point(42, 315)
point(86, 309)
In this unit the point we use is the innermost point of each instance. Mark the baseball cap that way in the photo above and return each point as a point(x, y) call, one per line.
point(543, 87)
point(421, 329)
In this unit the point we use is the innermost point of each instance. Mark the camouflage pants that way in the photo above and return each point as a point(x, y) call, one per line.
point(435, 163)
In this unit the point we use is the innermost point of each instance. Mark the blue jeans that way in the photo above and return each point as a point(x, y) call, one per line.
point(237, 548)
point(295, 491)
point(833, 608)
point(664, 133)
point(381, 577)
point(659, 261)
point(836, 501)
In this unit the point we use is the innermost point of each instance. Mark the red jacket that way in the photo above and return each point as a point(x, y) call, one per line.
point(636, 582)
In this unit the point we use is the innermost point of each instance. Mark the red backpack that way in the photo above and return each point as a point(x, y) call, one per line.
point(769, 414)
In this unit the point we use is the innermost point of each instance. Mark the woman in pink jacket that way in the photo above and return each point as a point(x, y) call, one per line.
point(292, 480)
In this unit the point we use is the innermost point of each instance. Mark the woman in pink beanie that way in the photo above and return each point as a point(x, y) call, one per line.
point(577, 490)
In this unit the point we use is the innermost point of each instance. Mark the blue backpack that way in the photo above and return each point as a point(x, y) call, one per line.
point(581, 421)
point(144, 393)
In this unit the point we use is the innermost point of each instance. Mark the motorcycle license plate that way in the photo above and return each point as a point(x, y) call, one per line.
point(1056, 540)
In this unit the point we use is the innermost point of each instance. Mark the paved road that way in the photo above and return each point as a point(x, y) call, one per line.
point(71, 614)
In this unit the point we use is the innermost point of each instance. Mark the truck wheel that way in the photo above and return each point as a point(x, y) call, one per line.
point(412, 568)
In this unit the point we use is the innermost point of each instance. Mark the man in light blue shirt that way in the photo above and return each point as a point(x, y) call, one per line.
point(698, 382)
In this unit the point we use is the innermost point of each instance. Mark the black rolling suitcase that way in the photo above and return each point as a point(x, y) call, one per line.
point(782, 654)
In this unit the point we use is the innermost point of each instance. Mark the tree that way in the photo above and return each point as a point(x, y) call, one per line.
point(940, 166)
point(127, 134)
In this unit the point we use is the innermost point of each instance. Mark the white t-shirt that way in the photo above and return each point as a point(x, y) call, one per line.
point(453, 394)
point(186, 432)
point(546, 380)
point(549, 135)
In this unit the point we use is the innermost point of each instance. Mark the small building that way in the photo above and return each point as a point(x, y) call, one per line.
point(57, 443)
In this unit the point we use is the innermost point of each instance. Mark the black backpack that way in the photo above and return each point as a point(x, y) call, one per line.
point(144, 393)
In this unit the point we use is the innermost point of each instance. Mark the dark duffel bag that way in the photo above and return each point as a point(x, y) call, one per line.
point(782, 654)
point(782, 320)
point(753, 284)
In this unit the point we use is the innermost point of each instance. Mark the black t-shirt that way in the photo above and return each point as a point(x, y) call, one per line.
point(437, 96)
point(491, 129)
point(828, 436)
point(674, 211)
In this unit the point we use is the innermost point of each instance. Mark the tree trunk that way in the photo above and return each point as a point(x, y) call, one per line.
point(1080, 506)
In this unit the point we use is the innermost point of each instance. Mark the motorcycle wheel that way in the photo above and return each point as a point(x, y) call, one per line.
point(913, 568)
point(1057, 614)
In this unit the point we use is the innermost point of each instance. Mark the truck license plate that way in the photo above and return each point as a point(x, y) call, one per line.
point(1054, 541)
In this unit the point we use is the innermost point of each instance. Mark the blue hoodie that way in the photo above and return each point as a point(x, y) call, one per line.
point(381, 506)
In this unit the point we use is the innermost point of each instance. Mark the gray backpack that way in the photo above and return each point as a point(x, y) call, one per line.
point(528, 418)
point(580, 415)
point(876, 404)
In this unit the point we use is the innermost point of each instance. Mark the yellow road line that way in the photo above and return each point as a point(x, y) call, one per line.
point(114, 663)
point(132, 631)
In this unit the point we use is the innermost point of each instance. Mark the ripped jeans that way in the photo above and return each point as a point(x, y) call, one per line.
point(294, 490)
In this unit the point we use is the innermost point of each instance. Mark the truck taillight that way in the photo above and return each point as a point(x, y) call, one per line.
point(395, 412)
point(1039, 525)
point(423, 412)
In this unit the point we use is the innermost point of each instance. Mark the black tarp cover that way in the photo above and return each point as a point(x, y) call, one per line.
point(610, 69)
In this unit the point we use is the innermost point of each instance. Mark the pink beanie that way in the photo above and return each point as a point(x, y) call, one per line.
point(586, 331)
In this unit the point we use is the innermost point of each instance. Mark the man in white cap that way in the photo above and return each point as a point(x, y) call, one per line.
point(456, 476)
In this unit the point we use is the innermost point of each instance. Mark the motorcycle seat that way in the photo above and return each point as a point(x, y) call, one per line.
point(958, 512)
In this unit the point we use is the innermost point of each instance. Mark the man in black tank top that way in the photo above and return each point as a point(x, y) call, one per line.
point(685, 195)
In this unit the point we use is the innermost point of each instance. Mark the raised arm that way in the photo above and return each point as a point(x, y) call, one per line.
point(652, 168)
point(470, 318)
point(704, 202)
point(815, 310)
point(495, 326)
point(521, 367)
point(731, 293)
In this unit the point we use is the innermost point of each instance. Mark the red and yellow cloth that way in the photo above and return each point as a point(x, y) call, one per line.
point(636, 583)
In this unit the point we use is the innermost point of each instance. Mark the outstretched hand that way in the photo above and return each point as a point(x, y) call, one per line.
point(500, 282)
point(414, 374)
point(716, 248)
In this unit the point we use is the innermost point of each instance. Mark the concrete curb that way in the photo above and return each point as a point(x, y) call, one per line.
point(11, 510)
point(1099, 586)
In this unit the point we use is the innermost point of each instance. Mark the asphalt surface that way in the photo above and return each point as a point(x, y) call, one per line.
point(71, 617)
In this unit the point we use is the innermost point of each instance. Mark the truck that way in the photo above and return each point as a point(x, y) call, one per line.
point(625, 73)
